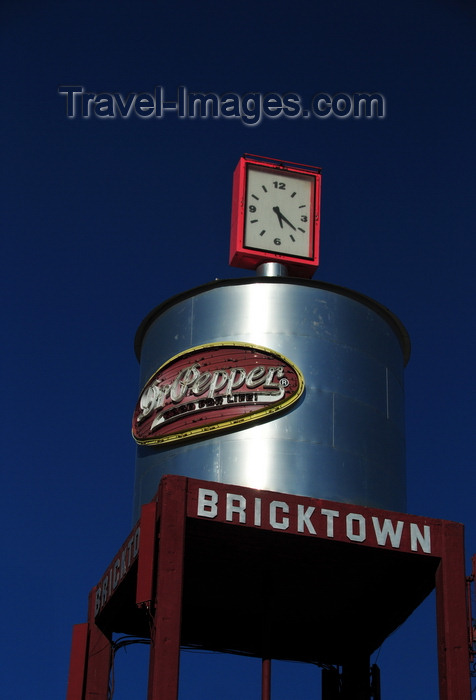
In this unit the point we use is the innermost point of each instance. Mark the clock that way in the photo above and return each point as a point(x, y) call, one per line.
point(275, 215)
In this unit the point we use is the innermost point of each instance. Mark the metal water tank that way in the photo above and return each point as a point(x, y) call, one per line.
point(343, 440)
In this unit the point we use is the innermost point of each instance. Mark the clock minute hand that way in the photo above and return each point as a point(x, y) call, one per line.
point(286, 220)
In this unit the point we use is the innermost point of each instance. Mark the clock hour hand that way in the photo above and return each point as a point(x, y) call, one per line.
point(279, 215)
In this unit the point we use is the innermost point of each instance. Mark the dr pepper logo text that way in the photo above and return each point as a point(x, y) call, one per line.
point(214, 387)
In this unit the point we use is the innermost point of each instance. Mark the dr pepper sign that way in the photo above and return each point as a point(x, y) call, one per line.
point(214, 387)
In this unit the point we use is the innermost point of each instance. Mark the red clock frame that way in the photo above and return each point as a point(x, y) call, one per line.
point(250, 258)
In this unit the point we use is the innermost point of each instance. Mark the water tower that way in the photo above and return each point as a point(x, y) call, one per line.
point(270, 477)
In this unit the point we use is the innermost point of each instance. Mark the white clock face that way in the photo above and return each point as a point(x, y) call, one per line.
point(278, 216)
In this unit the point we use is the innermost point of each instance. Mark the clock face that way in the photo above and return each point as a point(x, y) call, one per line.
point(279, 212)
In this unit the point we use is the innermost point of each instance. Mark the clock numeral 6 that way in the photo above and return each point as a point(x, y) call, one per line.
point(277, 241)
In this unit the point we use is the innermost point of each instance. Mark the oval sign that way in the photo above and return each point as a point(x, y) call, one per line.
point(214, 387)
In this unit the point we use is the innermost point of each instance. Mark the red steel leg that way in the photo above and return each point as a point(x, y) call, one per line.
point(147, 554)
point(77, 664)
point(99, 658)
point(165, 642)
point(453, 651)
point(266, 679)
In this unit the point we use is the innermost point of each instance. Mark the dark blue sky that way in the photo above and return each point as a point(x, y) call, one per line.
point(104, 218)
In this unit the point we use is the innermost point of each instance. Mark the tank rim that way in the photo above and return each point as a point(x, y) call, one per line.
point(393, 321)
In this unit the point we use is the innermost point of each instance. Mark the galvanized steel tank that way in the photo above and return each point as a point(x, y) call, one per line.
point(343, 440)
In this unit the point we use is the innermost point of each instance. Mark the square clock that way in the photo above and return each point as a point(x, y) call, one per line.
point(275, 215)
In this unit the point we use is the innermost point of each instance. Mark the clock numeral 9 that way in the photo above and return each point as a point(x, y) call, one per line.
point(279, 185)
point(252, 208)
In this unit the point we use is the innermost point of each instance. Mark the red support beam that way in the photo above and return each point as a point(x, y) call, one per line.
point(165, 642)
point(147, 554)
point(99, 658)
point(266, 679)
point(77, 664)
point(470, 581)
point(453, 651)
point(472, 624)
